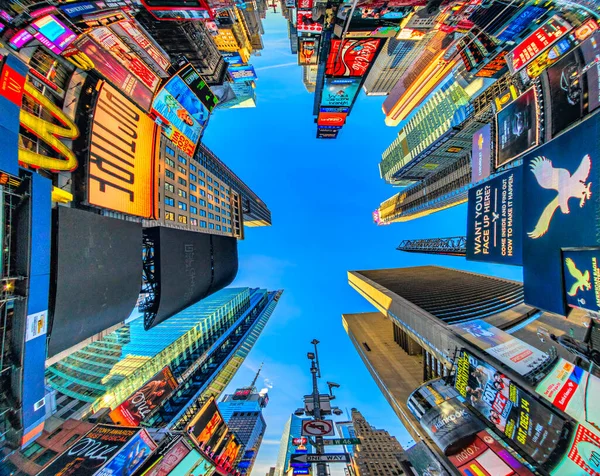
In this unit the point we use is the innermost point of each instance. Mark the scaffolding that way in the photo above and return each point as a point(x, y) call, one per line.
point(453, 246)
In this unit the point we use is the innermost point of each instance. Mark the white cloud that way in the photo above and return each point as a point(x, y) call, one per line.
point(284, 65)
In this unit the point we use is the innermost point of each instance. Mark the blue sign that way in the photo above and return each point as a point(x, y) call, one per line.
point(242, 72)
point(582, 278)
point(561, 197)
point(231, 58)
point(521, 22)
point(340, 91)
point(494, 228)
point(130, 457)
point(78, 9)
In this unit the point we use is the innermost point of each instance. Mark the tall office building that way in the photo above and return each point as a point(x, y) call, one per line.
point(388, 67)
point(378, 453)
point(291, 430)
point(105, 373)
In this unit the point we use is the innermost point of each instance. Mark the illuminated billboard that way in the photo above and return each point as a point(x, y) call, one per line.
point(308, 50)
point(208, 428)
point(549, 57)
point(494, 225)
point(332, 118)
point(121, 169)
point(174, 10)
point(582, 278)
point(517, 128)
point(140, 405)
point(242, 72)
point(560, 210)
point(354, 59)
point(475, 47)
point(306, 24)
point(481, 154)
point(52, 33)
point(164, 460)
point(524, 421)
point(582, 454)
point(340, 91)
point(198, 86)
point(325, 133)
point(536, 42)
point(130, 457)
point(520, 22)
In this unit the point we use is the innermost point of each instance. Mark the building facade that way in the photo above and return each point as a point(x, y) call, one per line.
point(291, 430)
point(388, 67)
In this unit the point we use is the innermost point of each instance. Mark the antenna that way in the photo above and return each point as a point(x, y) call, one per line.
point(257, 374)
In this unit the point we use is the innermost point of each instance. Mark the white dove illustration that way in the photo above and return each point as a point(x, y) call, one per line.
point(582, 280)
point(567, 185)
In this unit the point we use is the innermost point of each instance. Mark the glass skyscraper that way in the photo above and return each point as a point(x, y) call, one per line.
point(291, 430)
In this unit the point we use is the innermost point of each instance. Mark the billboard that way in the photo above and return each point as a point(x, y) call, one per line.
point(512, 352)
point(582, 278)
point(91, 452)
point(308, 50)
point(590, 49)
point(52, 33)
point(112, 70)
point(481, 154)
point(582, 455)
point(340, 91)
point(231, 57)
point(208, 427)
point(121, 169)
point(140, 405)
point(517, 128)
point(306, 24)
point(355, 57)
point(166, 458)
point(549, 57)
point(332, 118)
point(536, 42)
point(242, 72)
point(323, 133)
point(494, 222)
point(520, 22)
point(528, 424)
point(560, 210)
point(198, 86)
point(130, 457)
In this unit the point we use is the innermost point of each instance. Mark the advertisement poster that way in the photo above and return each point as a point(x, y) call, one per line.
point(521, 21)
point(91, 452)
point(494, 225)
point(53, 33)
point(331, 118)
point(512, 352)
point(549, 57)
point(537, 42)
point(582, 278)
point(424, 461)
point(198, 86)
point(306, 24)
point(118, 121)
point(232, 57)
point(355, 57)
point(242, 72)
point(209, 426)
point(131, 456)
point(112, 70)
point(560, 209)
point(138, 407)
point(583, 456)
point(516, 128)
point(531, 426)
point(166, 459)
point(339, 91)
point(308, 51)
point(323, 133)
point(37, 325)
point(481, 155)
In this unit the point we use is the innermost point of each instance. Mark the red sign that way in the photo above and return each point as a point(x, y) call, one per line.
point(299, 441)
point(11, 85)
point(305, 22)
point(305, 4)
point(537, 42)
point(355, 57)
point(332, 118)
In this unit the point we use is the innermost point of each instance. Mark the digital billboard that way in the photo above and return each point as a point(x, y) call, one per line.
point(308, 50)
point(198, 86)
point(549, 57)
point(481, 154)
point(121, 169)
point(560, 210)
point(91, 452)
point(242, 72)
point(520, 22)
point(306, 24)
point(516, 128)
point(355, 57)
point(20, 39)
point(130, 457)
point(475, 47)
point(140, 405)
point(582, 454)
point(323, 133)
point(340, 91)
point(536, 42)
point(112, 70)
point(166, 458)
point(524, 421)
point(582, 278)
point(332, 118)
point(53, 33)
point(494, 223)
point(208, 427)
point(231, 57)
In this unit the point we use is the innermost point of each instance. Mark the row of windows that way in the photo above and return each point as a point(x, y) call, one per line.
point(194, 221)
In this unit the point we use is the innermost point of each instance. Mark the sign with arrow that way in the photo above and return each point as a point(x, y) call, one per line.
point(317, 428)
point(320, 458)
point(342, 441)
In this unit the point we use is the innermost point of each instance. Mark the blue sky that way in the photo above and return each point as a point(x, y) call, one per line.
point(321, 194)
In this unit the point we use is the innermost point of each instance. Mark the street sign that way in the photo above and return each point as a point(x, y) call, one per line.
point(317, 428)
point(321, 458)
point(342, 441)
point(299, 441)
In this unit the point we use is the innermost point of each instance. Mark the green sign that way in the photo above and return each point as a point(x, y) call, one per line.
point(342, 441)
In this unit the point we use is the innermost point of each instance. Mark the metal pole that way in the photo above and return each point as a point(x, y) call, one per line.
point(321, 467)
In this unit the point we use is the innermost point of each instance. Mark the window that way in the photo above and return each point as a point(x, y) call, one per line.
point(170, 174)
point(216, 192)
point(219, 227)
point(210, 197)
point(32, 451)
point(193, 199)
point(193, 188)
point(216, 184)
point(54, 433)
point(203, 193)
point(194, 221)
point(211, 216)
point(201, 182)
point(170, 162)
point(217, 209)
point(182, 169)
point(210, 179)
point(45, 457)
point(192, 177)
point(211, 226)
point(210, 206)
point(169, 187)
point(181, 193)
point(193, 168)
point(183, 160)
point(71, 440)
point(202, 174)
point(229, 229)
point(182, 181)
point(203, 202)
point(202, 223)
point(202, 213)
point(218, 218)
point(223, 189)
point(182, 206)
point(182, 219)
point(210, 189)
point(170, 151)
point(217, 200)
point(169, 201)
point(193, 210)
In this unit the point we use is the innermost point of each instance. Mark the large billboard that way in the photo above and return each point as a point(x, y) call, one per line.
point(91, 452)
point(140, 405)
point(130, 457)
point(208, 428)
point(354, 59)
point(481, 154)
point(517, 128)
point(582, 454)
point(560, 210)
point(121, 170)
point(582, 278)
point(528, 424)
point(306, 24)
point(242, 72)
point(198, 86)
point(340, 92)
point(308, 50)
point(53, 33)
point(520, 22)
point(166, 458)
point(331, 118)
point(494, 224)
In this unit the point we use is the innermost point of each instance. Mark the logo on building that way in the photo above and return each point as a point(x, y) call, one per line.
point(582, 280)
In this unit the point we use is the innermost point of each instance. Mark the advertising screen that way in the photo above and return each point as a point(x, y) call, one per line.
point(53, 33)
point(512, 352)
point(166, 458)
point(308, 51)
point(494, 225)
point(583, 456)
point(121, 169)
point(20, 39)
point(91, 452)
point(481, 154)
point(332, 118)
point(130, 457)
point(327, 133)
point(306, 24)
point(242, 72)
point(198, 86)
point(340, 91)
point(123, 54)
point(549, 57)
point(537, 42)
point(354, 59)
point(560, 210)
point(516, 128)
point(528, 424)
point(231, 58)
point(582, 278)
point(209, 426)
point(112, 70)
point(138, 407)
point(520, 22)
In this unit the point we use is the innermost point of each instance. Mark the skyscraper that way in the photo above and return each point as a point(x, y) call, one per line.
point(291, 430)
point(388, 67)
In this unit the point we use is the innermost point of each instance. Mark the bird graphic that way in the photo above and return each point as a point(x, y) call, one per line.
point(567, 185)
point(582, 280)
